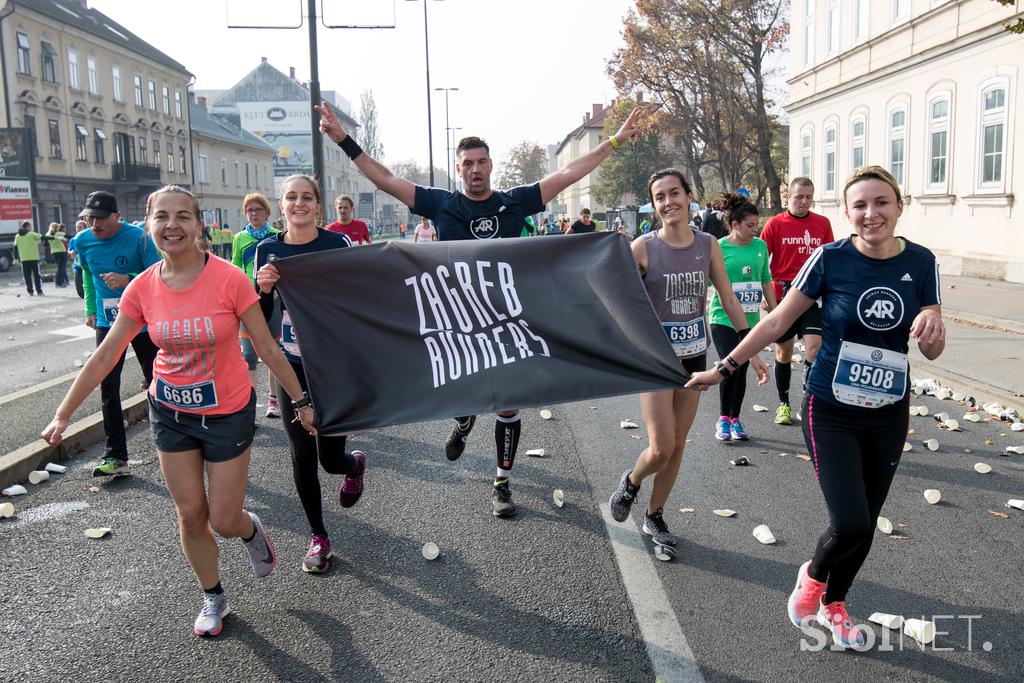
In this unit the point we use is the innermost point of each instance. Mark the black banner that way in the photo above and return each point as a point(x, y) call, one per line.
point(16, 158)
point(403, 332)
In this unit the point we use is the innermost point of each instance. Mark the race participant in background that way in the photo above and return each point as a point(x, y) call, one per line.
point(112, 252)
point(529, 227)
point(746, 266)
point(478, 212)
point(675, 263)
point(76, 263)
point(424, 232)
point(200, 406)
point(58, 247)
point(792, 236)
point(877, 290)
point(301, 206)
point(26, 249)
point(584, 224)
point(346, 225)
point(243, 255)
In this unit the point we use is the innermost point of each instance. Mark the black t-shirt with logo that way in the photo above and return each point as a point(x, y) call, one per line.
point(458, 217)
point(580, 227)
point(866, 302)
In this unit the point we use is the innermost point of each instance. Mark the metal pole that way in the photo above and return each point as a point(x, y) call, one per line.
point(314, 95)
point(448, 148)
point(430, 125)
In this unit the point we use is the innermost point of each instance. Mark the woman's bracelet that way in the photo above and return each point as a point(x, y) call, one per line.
point(303, 402)
point(722, 370)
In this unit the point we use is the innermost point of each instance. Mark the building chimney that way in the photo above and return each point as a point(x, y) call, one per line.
point(586, 117)
point(263, 60)
point(595, 110)
point(291, 72)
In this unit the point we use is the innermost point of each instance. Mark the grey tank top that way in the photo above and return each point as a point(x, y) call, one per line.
point(677, 285)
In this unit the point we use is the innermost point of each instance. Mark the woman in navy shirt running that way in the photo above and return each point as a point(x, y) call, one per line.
point(877, 291)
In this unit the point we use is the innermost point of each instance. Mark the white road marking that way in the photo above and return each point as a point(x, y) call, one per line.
point(49, 511)
point(28, 391)
point(75, 332)
point(670, 654)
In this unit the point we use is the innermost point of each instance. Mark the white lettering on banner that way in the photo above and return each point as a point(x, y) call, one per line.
point(474, 325)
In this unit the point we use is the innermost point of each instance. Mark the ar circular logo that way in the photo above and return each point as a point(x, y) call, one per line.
point(484, 228)
point(880, 308)
point(121, 263)
point(876, 355)
point(277, 114)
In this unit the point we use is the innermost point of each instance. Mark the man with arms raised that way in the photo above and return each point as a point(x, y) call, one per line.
point(478, 212)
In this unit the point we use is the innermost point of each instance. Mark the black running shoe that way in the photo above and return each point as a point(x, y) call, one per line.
point(501, 500)
point(456, 442)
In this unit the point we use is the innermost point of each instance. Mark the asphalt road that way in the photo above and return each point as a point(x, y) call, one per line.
point(539, 597)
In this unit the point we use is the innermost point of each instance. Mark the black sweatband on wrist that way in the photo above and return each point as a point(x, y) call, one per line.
point(302, 402)
point(350, 147)
point(722, 370)
point(732, 361)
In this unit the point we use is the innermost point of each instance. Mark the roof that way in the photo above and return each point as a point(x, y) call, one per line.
point(100, 25)
point(219, 128)
point(592, 122)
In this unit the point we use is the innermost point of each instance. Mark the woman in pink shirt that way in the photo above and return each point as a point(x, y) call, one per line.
point(424, 231)
point(201, 404)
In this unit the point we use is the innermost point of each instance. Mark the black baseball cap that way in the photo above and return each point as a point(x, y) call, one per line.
point(99, 205)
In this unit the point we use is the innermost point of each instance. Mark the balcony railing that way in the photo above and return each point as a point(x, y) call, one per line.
point(140, 173)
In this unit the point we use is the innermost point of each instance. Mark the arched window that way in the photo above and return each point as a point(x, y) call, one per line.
point(939, 113)
point(896, 156)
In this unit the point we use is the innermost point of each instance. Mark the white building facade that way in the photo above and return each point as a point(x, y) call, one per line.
point(931, 90)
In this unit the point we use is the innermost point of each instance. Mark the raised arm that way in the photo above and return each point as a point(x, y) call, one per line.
point(399, 188)
point(554, 183)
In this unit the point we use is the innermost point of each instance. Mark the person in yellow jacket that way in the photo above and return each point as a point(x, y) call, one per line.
point(58, 238)
point(26, 248)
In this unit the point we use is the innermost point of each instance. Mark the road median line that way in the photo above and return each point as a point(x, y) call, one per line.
point(80, 435)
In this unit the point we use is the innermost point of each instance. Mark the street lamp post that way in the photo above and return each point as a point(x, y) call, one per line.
point(450, 134)
point(448, 148)
point(430, 126)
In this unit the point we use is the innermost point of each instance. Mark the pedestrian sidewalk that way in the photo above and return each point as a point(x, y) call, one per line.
point(984, 354)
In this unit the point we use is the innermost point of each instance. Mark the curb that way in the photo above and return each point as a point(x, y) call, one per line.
point(985, 393)
point(983, 321)
point(80, 435)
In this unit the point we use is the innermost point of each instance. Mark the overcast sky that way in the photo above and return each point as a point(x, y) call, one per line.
point(526, 69)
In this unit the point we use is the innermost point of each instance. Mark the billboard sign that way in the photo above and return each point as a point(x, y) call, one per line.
point(15, 153)
point(15, 203)
point(276, 117)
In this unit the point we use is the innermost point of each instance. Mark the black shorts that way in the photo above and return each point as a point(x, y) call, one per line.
point(219, 437)
point(808, 323)
point(694, 364)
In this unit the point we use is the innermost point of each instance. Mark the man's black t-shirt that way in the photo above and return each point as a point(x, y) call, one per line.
point(580, 226)
point(457, 217)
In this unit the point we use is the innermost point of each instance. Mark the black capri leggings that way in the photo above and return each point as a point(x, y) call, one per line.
point(733, 389)
point(307, 452)
point(856, 452)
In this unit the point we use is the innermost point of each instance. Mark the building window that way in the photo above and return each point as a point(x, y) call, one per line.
point(137, 85)
point(858, 131)
point(166, 97)
point(152, 95)
point(806, 146)
point(808, 33)
point(832, 30)
point(101, 139)
point(256, 175)
point(115, 76)
point(94, 77)
point(830, 160)
point(238, 174)
point(223, 171)
point(900, 10)
point(156, 152)
point(993, 136)
point(247, 185)
point(49, 62)
point(73, 75)
point(30, 123)
point(55, 152)
point(143, 152)
point(81, 142)
point(898, 145)
point(170, 158)
point(860, 20)
point(204, 169)
point(181, 160)
point(938, 144)
point(24, 55)
point(177, 104)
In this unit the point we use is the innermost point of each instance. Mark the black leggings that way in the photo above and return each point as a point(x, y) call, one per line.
point(30, 271)
point(732, 390)
point(307, 452)
point(856, 452)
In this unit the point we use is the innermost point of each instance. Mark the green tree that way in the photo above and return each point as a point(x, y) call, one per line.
point(1017, 26)
point(628, 168)
point(526, 163)
point(368, 136)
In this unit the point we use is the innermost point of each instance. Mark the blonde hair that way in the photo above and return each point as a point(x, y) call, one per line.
point(259, 199)
point(54, 227)
point(873, 173)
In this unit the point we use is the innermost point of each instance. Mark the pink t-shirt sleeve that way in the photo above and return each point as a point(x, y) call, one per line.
point(242, 293)
point(131, 299)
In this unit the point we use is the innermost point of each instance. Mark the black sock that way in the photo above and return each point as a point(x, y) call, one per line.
point(783, 375)
point(247, 540)
point(506, 439)
point(216, 590)
point(465, 424)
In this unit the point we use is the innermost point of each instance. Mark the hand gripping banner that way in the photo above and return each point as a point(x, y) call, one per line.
point(403, 332)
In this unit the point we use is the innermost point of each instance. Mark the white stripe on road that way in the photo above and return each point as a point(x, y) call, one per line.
point(670, 654)
point(28, 391)
point(75, 332)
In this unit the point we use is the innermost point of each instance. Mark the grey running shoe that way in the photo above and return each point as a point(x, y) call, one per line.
point(262, 557)
point(456, 442)
point(501, 500)
point(318, 559)
point(622, 500)
point(211, 618)
point(655, 527)
point(110, 467)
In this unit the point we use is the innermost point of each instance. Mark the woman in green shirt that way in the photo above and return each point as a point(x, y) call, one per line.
point(26, 246)
point(746, 264)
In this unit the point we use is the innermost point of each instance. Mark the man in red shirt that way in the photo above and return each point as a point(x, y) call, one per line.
point(792, 236)
point(346, 225)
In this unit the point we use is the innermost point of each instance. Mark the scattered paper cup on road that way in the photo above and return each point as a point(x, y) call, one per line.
point(545, 414)
point(7, 510)
point(887, 620)
point(535, 452)
point(932, 444)
point(430, 551)
point(982, 467)
point(1017, 427)
point(920, 630)
point(957, 396)
point(98, 532)
point(941, 417)
point(628, 424)
point(972, 417)
point(763, 534)
point(906, 446)
point(725, 513)
point(884, 525)
point(558, 496)
point(15, 490)
point(38, 476)
point(55, 468)
point(1013, 503)
point(760, 409)
point(952, 425)
point(78, 362)
point(797, 358)
point(933, 496)
point(1019, 450)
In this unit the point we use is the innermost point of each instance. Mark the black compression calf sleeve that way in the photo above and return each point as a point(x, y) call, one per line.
point(506, 439)
point(783, 375)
